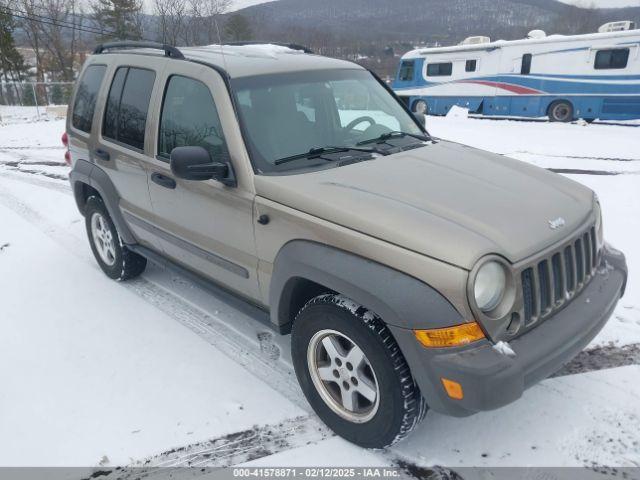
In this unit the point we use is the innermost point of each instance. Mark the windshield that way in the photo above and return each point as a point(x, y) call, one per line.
point(286, 115)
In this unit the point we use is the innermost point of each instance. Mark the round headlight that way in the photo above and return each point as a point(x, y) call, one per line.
point(490, 285)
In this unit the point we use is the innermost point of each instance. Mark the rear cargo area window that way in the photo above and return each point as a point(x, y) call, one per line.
point(439, 69)
point(85, 101)
point(125, 117)
point(190, 119)
point(611, 59)
point(407, 71)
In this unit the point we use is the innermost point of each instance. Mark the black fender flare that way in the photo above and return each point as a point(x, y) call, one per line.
point(398, 299)
point(90, 174)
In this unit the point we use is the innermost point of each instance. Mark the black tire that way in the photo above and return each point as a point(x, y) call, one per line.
point(125, 264)
point(401, 406)
point(561, 111)
point(420, 107)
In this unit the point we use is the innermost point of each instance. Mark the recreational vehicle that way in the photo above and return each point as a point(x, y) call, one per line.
point(592, 76)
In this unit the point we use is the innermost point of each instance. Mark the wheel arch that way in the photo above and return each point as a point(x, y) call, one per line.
point(87, 179)
point(304, 269)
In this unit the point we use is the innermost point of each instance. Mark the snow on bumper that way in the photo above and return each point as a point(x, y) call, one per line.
point(491, 379)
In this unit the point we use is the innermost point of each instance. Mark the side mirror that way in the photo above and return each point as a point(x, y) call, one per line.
point(194, 163)
point(420, 118)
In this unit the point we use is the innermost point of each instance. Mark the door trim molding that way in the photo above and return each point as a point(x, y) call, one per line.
point(190, 247)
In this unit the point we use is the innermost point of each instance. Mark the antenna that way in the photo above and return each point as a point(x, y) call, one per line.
point(224, 59)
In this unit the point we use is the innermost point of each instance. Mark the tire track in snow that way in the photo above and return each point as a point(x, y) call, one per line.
point(209, 326)
point(225, 451)
point(256, 358)
point(32, 179)
point(213, 328)
point(578, 171)
point(601, 358)
point(240, 447)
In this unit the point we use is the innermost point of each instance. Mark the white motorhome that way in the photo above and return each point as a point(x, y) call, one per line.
point(564, 77)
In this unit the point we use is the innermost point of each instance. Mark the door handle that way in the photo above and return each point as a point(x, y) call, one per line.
point(163, 180)
point(102, 154)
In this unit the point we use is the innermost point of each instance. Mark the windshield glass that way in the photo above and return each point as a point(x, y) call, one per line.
point(289, 114)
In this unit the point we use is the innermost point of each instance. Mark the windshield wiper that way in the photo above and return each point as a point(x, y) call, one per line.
point(389, 135)
point(318, 152)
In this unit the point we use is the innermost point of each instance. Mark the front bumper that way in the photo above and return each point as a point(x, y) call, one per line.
point(491, 379)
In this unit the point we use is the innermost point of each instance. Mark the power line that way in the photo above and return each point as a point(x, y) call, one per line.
point(44, 9)
point(57, 22)
point(61, 23)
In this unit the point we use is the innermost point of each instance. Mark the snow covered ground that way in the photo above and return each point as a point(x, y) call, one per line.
point(156, 372)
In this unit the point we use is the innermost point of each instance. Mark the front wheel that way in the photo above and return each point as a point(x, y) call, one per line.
point(353, 373)
point(420, 107)
point(561, 111)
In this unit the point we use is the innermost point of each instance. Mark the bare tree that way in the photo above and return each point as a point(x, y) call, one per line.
point(206, 19)
point(31, 27)
point(60, 36)
point(172, 20)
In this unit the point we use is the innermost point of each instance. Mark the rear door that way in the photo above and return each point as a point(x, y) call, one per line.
point(205, 225)
point(123, 144)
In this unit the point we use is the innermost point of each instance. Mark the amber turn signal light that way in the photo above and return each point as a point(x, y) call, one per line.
point(450, 336)
point(454, 389)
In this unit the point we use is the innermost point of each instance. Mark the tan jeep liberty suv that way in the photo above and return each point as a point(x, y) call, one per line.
point(412, 273)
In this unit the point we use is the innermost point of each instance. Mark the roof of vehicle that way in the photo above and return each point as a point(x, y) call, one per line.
point(253, 59)
point(421, 52)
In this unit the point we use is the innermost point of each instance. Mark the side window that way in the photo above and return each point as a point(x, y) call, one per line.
point(616, 58)
point(189, 118)
point(470, 66)
point(110, 123)
point(125, 116)
point(439, 69)
point(406, 70)
point(85, 102)
point(525, 69)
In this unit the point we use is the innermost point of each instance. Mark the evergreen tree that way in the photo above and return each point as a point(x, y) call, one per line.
point(119, 19)
point(12, 65)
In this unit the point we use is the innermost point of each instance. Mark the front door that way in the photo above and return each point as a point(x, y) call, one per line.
point(205, 225)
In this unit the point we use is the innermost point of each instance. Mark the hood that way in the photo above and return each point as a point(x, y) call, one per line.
point(448, 201)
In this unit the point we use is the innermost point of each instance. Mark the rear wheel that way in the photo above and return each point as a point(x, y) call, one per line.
point(353, 373)
point(561, 111)
point(114, 258)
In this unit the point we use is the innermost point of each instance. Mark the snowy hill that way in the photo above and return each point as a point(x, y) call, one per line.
point(240, 4)
point(602, 3)
point(411, 21)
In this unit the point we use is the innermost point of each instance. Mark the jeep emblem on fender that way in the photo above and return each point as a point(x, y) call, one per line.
point(556, 223)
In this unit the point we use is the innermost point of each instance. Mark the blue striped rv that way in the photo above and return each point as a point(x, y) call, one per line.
point(593, 76)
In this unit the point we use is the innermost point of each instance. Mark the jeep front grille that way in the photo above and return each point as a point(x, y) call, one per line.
point(550, 282)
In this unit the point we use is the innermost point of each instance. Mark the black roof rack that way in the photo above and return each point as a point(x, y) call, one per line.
point(292, 46)
point(169, 50)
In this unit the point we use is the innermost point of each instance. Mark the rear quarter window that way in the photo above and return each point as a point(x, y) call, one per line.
point(85, 102)
point(125, 117)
